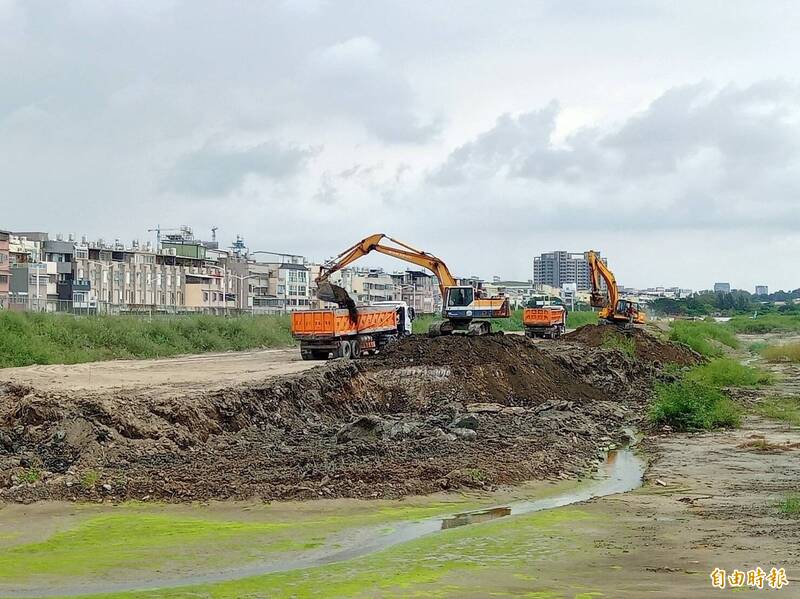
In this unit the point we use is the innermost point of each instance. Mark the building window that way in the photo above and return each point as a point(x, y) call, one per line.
point(205, 296)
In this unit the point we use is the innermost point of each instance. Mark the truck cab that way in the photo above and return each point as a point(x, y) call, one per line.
point(405, 314)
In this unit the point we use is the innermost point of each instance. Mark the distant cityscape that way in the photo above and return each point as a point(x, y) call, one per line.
point(184, 274)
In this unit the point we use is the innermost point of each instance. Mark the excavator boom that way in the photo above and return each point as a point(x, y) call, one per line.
point(612, 308)
point(460, 304)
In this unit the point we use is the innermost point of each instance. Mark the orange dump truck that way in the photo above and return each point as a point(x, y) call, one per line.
point(333, 333)
point(546, 321)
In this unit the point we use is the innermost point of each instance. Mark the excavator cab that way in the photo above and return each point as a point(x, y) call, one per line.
point(459, 297)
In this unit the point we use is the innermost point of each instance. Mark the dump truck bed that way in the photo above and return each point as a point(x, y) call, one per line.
point(543, 317)
point(316, 324)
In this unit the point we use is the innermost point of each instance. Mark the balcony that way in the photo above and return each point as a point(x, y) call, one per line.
point(81, 285)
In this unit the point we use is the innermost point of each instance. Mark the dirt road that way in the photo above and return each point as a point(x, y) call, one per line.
point(206, 371)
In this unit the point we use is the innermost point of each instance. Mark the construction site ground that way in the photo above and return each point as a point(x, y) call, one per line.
point(429, 429)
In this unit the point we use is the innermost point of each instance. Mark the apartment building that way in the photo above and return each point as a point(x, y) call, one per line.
point(419, 290)
point(561, 267)
point(366, 285)
point(5, 270)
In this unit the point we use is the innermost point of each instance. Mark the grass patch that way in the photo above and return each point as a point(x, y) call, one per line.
point(725, 372)
point(757, 347)
point(31, 338)
point(768, 323)
point(580, 318)
point(790, 505)
point(700, 336)
point(786, 409)
point(625, 344)
point(686, 405)
point(787, 352)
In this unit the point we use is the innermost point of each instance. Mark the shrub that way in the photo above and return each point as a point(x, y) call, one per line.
point(687, 405)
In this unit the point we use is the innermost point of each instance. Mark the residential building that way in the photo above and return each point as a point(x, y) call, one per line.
point(5, 270)
point(561, 267)
point(418, 289)
point(518, 292)
point(762, 290)
point(366, 285)
point(722, 287)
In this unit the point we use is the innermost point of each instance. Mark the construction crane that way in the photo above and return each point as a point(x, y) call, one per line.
point(463, 307)
point(158, 230)
point(612, 308)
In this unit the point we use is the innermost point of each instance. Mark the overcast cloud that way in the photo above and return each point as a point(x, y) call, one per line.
point(665, 134)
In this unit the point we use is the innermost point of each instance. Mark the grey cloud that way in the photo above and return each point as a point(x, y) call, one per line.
point(353, 79)
point(215, 171)
point(748, 130)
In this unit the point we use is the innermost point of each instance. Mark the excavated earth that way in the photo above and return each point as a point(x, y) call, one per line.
point(425, 415)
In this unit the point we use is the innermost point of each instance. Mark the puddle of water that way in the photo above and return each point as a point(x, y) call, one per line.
point(621, 472)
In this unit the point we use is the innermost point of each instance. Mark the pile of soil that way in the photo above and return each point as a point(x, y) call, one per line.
point(425, 415)
point(648, 347)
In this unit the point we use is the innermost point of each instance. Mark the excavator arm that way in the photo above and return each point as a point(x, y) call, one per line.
point(404, 252)
point(462, 305)
point(611, 308)
point(598, 270)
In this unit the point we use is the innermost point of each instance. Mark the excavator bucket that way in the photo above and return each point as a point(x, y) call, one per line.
point(328, 292)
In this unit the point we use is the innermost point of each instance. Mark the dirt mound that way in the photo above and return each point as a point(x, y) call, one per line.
point(425, 415)
point(646, 346)
point(506, 369)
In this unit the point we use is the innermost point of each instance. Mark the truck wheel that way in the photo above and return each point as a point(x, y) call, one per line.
point(345, 350)
point(355, 349)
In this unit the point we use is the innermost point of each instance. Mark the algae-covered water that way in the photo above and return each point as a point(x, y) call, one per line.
point(339, 548)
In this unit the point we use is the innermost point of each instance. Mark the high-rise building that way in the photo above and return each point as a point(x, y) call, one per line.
point(558, 268)
point(762, 290)
point(722, 287)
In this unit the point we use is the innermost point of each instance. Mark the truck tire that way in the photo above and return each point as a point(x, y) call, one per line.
point(355, 349)
point(345, 349)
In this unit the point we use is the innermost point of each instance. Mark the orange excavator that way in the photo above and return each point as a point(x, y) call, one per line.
point(612, 308)
point(463, 307)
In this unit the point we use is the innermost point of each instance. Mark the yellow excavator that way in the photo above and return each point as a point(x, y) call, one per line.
point(612, 309)
point(463, 307)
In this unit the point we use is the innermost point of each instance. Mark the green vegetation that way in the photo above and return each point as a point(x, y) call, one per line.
point(31, 475)
point(726, 372)
point(728, 304)
point(29, 338)
point(702, 335)
point(766, 323)
point(790, 505)
point(757, 347)
point(787, 352)
point(626, 345)
point(133, 541)
point(437, 565)
point(781, 408)
point(579, 318)
point(686, 405)
point(89, 478)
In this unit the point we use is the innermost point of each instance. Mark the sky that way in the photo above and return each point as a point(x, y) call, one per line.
point(664, 134)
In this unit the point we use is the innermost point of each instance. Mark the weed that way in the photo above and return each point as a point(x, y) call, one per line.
point(31, 475)
point(89, 479)
point(790, 505)
point(768, 323)
point(725, 372)
point(781, 408)
point(757, 347)
point(701, 335)
point(627, 345)
point(788, 352)
point(580, 318)
point(30, 338)
point(688, 405)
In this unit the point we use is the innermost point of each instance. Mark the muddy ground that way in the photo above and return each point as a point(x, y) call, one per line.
point(424, 416)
